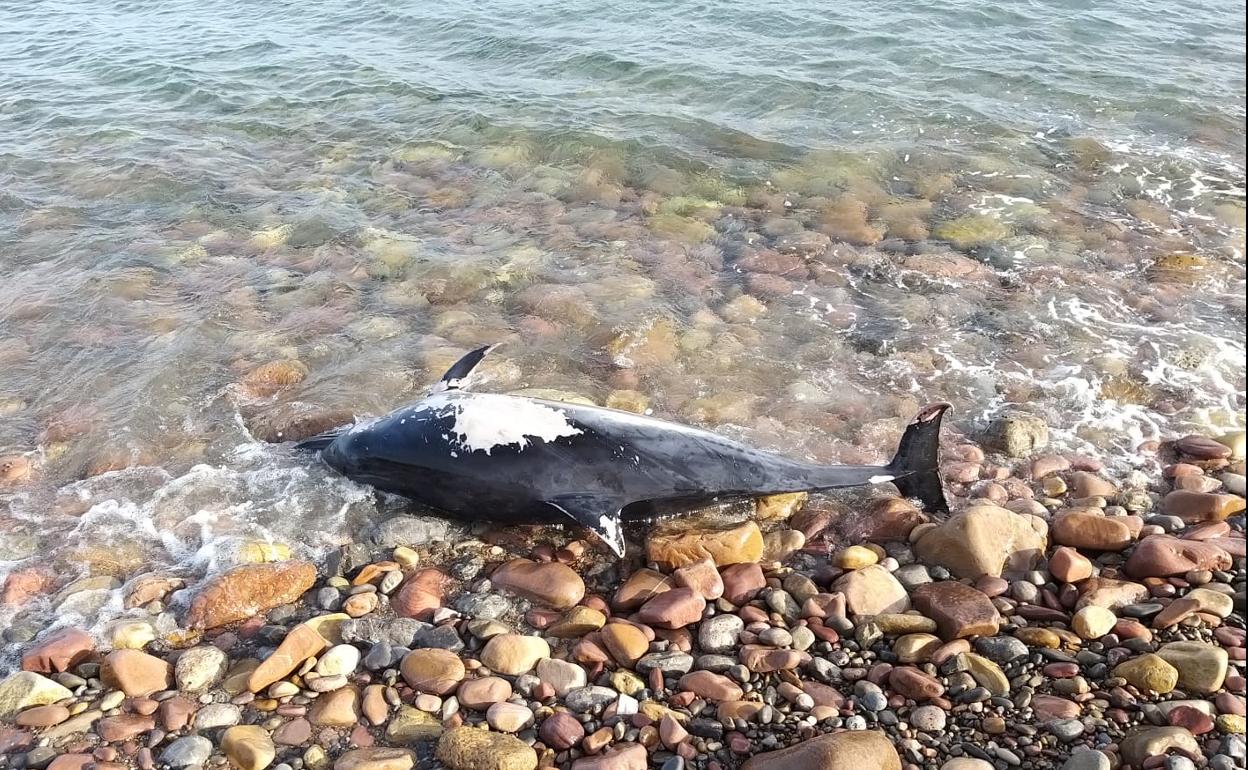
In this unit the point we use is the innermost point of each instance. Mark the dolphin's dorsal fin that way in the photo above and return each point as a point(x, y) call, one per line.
point(459, 371)
point(596, 512)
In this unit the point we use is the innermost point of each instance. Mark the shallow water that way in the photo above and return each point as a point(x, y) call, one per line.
point(791, 223)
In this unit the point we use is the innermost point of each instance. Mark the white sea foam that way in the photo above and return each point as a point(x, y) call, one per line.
point(192, 524)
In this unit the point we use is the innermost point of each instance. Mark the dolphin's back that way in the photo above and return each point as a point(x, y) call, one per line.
point(484, 456)
point(527, 451)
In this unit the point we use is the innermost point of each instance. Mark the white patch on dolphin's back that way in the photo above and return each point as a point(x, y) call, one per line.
point(485, 421)
point(363, 425)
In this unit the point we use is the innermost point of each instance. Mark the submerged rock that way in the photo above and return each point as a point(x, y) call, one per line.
point(972, 231)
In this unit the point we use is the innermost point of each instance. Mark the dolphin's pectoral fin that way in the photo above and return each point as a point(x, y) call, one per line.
point(460, 370)
point(595, 512)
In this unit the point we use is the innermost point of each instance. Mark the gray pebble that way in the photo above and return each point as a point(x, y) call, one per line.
point(1142, 610)
point(378, 656)
point(1167, 523)
point(870, 696)
point(397, 632)
point(483, 606)
point(409, 530)
point(1233, 747)
point(390, 581)
point(929, 719)
point(328, 599)
point(188, 751)
point(784, 604)
point(219, 715)
point(40, 757)
point(912, 575)
point(714, 663)
point(1001, 649)
point(584, 699)
point(1087, 759)
point(282, 614)
point(441, 637)
point(1066, 730)
point(719, 634)
point(775, 637)
point(673, 662)
point(1025, 591)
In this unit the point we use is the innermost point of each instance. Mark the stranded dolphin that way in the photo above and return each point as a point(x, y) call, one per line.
point(483, 456)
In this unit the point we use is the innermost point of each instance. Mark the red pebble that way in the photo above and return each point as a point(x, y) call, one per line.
point(1194, 720)
point(597, 603)
point(1061, 670)
point(826, 634)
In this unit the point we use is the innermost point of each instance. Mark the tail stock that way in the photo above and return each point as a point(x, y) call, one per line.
point(916, 463)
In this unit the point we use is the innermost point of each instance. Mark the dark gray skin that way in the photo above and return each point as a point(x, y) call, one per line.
point(610, 465)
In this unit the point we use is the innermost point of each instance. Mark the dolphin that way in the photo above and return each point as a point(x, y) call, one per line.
point(486, 456)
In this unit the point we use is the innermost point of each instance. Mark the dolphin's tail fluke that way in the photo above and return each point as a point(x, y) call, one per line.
point(916, 464)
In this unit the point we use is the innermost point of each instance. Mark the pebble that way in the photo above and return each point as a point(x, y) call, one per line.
point(514, 654)
point(959, 610)
point(467, 748)
point(930, 719)
point(338, 660)
point(432, 670)
point(563, 675)
point(217, 715)
point(248, 747)
point(719, 634)
point(199, 668)
point(550, 583)
point(508, 717)
point(1087, 759)
point(187, 752)
point(1093, 622)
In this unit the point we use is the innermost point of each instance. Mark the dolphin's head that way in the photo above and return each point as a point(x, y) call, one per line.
point(352, 449)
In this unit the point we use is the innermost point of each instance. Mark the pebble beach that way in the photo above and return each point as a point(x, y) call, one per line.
point(1059, 618)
